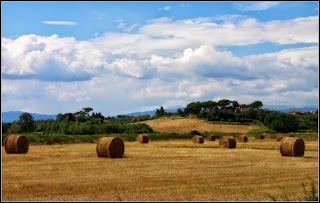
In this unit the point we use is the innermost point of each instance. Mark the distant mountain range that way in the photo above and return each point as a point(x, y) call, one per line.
point(282, 108)
point(286, 109)
point(11, 116)
point(151, 113)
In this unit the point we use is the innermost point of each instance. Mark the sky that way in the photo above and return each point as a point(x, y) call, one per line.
point(123, 57)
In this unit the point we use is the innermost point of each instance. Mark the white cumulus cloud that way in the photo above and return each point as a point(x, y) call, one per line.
point(166, 8)
point(256, 6)
point(59, 22)
point(162, 62)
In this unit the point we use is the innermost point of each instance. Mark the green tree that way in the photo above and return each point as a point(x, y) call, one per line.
point(99, 115)
point(5, 127)
point(81, 118)
point(15, 128)
point(194, 108)
point(281, 122)
point(60, 117)
point(235, 104)
point(87, 110)
point(179, 112)
point(208, 105)
point(69, 117)
point(223, 103)
point(26, 122)
point(256, 104)
point(203, 114)
point(159, 112)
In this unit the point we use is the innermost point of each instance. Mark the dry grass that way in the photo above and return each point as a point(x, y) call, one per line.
point(259, 136)
point(174, 170)
point(185, 125)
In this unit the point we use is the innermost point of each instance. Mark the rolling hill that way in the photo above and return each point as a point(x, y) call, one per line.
point(185, 125)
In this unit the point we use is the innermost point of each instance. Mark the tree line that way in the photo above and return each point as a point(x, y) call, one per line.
point(78, 123)
point(82, 122)
point(231, 111)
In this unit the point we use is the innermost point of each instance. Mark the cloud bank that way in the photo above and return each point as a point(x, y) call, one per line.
point(163, 62)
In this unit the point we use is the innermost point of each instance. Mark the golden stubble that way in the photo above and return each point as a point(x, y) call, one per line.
point(185, 125)
point(173, 170)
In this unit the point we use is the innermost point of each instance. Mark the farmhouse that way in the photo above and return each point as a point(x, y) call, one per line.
point(76, 115)
point(241, 108)
point(295, 112)
point(314, 111)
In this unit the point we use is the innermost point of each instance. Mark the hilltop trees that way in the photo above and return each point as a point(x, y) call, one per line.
point(224, 110)
point(223, 103)
point(256, 104)
point(227, 110)
point(193, 108)
point(235, 104)
point(87, 110)
point(65, 117)
point(159, 112)
point(208, 105)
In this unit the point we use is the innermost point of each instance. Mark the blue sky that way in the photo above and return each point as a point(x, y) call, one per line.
point(101, 17)
point(121, 57)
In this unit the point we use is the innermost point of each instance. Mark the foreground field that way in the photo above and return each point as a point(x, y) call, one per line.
point(185, 125)
point(175, 170)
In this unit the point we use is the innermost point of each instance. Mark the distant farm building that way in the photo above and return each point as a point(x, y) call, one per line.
point(76, 115)
point(314, 111)
point(241, 108)
point(295, 112)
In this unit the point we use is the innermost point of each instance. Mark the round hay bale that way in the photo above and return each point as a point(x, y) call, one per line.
point(279, 138)
point(292, 146)
point(143, 138)
point(211, 138)
point(110, 147)
point(259, 136)
point(16, 144)
point(243, 138)
point(197, 139)
point(227, 142)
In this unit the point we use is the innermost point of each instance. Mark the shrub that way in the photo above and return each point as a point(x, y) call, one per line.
point(312, 194)
point(261, 130)
point(195, 132)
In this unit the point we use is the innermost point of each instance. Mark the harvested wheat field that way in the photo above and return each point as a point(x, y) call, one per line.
point(185, 125)
point(175, 170)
